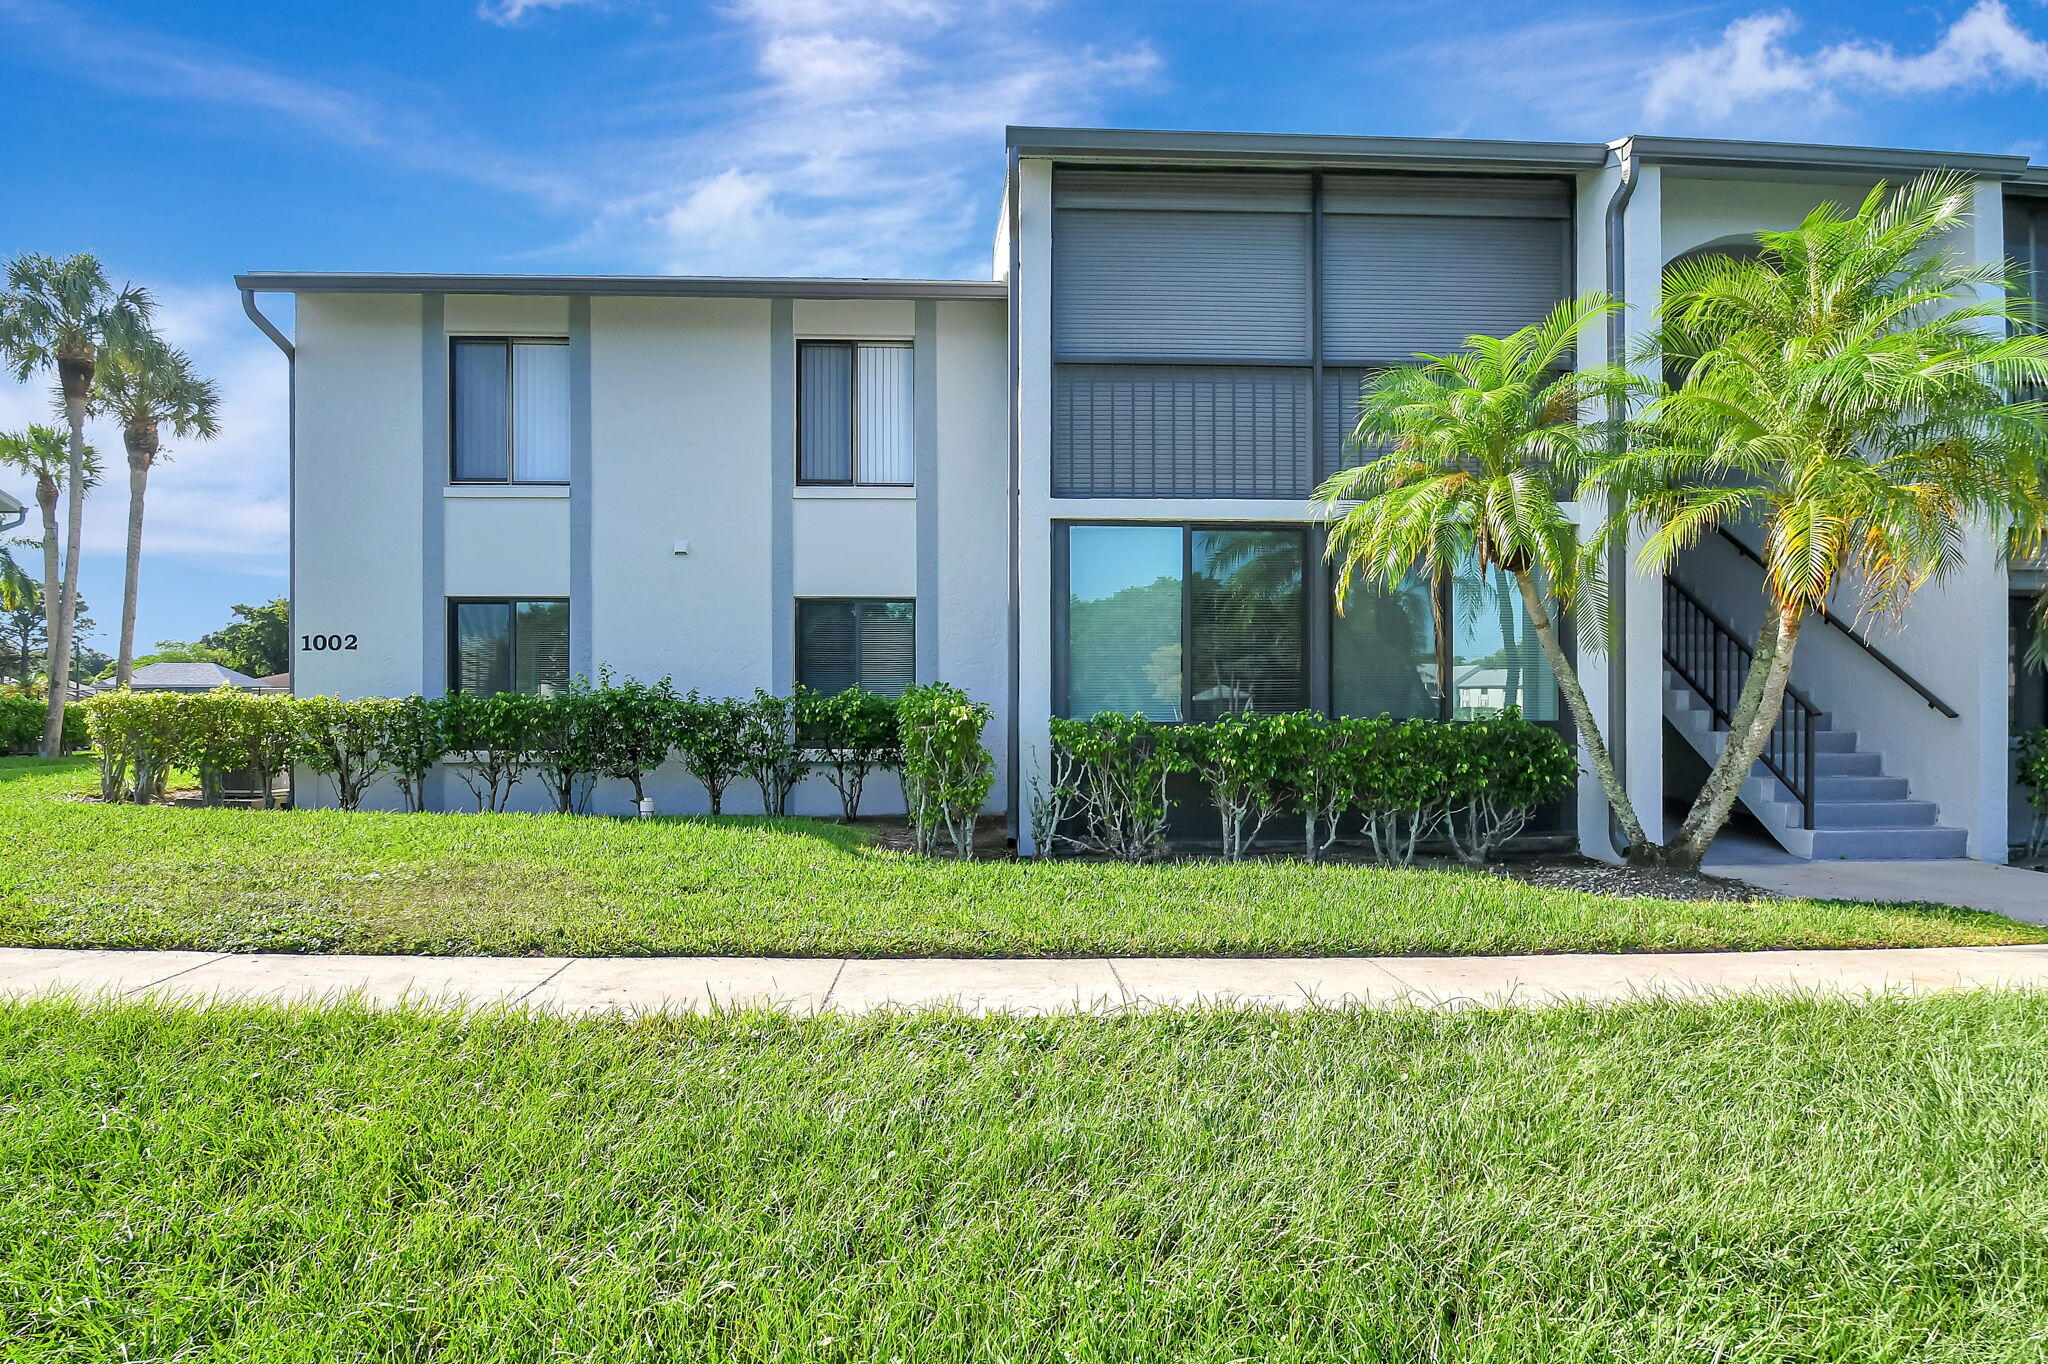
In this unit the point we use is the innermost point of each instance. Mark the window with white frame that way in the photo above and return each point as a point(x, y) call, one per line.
point(509, 409)
point(854, 415)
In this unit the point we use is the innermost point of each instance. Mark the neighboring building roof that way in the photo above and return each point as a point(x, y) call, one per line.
point(685, 286)
point(276, 681)
point(187, 677)
point(12, 512)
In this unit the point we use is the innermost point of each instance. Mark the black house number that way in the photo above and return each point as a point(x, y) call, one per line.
point(322, 643)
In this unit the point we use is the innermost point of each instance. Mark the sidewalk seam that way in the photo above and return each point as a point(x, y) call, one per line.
point(531, 990)
point(825, 1002)
point(152, 984)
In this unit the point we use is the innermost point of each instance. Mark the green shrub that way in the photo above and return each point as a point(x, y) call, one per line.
point(2033, 777)
point(567, 743)
point(412, 743)
point(140, 736)
point(21, 724)
point(490, 740)
point(239, 731)
point(635, 725)
point(947, 773)
point(1323, 765)
point(1405, 783)
point(1243, 762)
point(851, 734)
point(773, 752)
point(709, 735)
point(1502, 770)
point(1104, 790)
point(347, 741)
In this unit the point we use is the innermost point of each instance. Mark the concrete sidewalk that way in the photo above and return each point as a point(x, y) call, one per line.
point(2011, 891)
point(604, 984)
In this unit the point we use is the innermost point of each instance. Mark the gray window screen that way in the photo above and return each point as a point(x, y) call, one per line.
point(508, 645)
point(1180, 431)
point(1397, 285)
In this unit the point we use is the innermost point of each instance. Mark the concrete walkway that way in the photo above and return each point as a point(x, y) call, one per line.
point(602, 984)
point(2011, 891)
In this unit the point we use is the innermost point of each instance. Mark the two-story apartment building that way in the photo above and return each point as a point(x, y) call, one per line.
point(1082, 485)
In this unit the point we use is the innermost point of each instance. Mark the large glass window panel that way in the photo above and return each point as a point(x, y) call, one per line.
point(1123, 621)
point(1496, 659)
point(1383, 653)
point(1246, 615)
point(888, 646)
point(884, 453)
point(482, 402)
point(540, 645)
point(825, 413)
point(540, 412)
point(483, 647)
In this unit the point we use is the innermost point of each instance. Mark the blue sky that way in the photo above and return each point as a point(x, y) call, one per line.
point(185, 141)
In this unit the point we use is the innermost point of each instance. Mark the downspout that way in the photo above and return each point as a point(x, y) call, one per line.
point(1617, 554)
point(1013, 727)
point(291, 520)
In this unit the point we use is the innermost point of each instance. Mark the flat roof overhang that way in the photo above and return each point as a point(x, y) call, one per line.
point(1708, 155)
point(680, 286)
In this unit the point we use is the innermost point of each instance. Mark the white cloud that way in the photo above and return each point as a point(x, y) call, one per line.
point(508, 12)
point(1753, 63)
point(864, 143)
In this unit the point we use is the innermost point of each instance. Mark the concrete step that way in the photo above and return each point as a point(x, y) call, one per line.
point(1886, 845)
point(1834, 741)
point(1875, 814)
point(1847, 764)
point(1829, 789)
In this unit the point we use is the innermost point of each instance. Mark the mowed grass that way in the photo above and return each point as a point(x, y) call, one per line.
point(1758, 1180)
point(76, 873)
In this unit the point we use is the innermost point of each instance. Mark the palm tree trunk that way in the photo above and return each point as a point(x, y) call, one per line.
point(1582, 714)
point(1749, 729)
point(46, 498)
point(139, 457)
point(77, 383)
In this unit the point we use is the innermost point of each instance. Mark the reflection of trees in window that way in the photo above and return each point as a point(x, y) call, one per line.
point(1123, 651)
point(1247, 619)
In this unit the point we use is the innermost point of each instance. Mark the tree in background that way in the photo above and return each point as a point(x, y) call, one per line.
point(145, 388)
point(1853, 393)
point(62, 316)
point(39, 452)
point(258, 640)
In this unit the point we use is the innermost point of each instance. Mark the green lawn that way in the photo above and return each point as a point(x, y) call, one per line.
point(75, 873)
point(1763, 1180)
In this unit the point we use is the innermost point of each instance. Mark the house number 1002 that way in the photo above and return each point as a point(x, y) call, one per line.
point(322, 643)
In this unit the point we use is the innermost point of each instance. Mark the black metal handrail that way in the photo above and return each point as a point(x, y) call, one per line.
point(1714, 661)
point(1857, 637)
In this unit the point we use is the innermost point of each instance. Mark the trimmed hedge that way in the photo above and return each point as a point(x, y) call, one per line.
point(21, 724)
point(1474, 784)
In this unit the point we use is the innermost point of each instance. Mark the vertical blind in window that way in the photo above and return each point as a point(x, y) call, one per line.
point(855, 413)
point(1123, 647)
point(509, 646)
point(856, 642)
point(510, 411)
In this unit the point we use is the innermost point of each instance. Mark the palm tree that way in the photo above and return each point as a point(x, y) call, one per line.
point(1851, 390)
point(1485, 445)
point(145, 388)
point(40, 453)
point(61, 315)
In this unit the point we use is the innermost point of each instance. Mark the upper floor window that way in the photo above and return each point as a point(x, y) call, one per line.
point(510, 410)
point(501, 645)
point(853, 410)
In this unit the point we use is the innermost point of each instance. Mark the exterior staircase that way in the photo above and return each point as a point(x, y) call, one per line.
point(1859, 813)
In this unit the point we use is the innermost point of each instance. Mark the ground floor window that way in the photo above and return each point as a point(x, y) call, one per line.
point(508, 645)
point(868, 642)
point(2028, 681)
point(1190, 622)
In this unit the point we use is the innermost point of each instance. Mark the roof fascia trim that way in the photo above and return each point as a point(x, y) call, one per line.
point(684, 286)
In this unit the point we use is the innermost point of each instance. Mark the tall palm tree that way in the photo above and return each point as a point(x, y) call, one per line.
point(146, 388)
point(1481, 447)
point(40, 452)
point(1851, 390)
point(61, 315)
